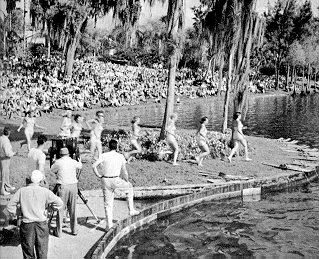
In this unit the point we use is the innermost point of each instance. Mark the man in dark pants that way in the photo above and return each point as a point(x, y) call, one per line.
point(67, 188)
point(34, 231)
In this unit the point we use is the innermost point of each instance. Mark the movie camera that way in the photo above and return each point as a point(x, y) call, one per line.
point(58, 143)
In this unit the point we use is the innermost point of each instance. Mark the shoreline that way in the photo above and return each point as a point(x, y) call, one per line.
point(55, 117)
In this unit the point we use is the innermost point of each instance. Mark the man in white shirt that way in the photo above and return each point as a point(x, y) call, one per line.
point(67, 189)
point(36, 157)
point(5, 156)
point(113, 165)
point(33, 201)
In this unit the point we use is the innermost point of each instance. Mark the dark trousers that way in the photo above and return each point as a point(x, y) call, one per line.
point(34, 236)
point(68, 193)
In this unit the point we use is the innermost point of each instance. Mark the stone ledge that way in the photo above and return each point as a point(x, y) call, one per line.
point(167, 207)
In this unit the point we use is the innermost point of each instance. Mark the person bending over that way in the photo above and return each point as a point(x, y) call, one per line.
point(114, 166)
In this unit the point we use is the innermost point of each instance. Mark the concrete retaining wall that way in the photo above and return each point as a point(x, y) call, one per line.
point(167, 207)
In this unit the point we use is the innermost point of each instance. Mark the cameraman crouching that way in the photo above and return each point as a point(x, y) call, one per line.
point(67, 189)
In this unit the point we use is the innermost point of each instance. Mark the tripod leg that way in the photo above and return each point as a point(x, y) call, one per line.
point(85, 202)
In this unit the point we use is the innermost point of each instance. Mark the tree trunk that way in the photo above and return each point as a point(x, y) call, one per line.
point(292, 74)
point(70, 57)
point(295, 75)
point(287, 77)
point(293, 81)
point(169, 107)
point(277, 75)
point(4, 41)
point(308, 79)
point(303, 81)
point(173, 12)
point(220, 77)
point(214, 66)
point(208, 68)
point(71, 48)
point(48, 40)
point(24, 27)
point(228, 88)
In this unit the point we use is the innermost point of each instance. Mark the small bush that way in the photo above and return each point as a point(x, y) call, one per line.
point(188, 148)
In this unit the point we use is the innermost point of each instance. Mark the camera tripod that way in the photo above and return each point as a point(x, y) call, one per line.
point(71, 145)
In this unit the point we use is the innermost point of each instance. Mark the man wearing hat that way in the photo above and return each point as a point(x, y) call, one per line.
point(34, 200)
point(5, 156)
point(66, 168)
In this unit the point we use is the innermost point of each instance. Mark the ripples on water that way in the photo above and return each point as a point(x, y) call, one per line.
point(281, 226)
point(267, 116)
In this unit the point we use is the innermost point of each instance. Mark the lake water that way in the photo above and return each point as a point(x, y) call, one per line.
point(267, 116)
point(281, 226)
point(285, 225)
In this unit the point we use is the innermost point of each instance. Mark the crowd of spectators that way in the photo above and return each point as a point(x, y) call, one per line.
point(39, 85)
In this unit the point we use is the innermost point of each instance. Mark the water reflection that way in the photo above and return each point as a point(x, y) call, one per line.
point(281, 226)
point(268, 116)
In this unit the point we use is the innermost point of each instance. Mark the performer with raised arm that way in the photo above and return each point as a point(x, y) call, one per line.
point(76, 127)
point(201, 138)
point(133, 140)
point(95, 134)
point(29, 124)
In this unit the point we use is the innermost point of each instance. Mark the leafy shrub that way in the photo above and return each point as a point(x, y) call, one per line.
point(188, 148)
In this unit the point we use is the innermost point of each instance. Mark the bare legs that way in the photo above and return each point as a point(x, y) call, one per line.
point(205, 151)
point(236, 148)
point(138, 149)
point(174, 146)
point(95, 145)
point(28, 136)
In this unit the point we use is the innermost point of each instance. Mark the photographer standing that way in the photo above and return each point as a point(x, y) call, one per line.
point(67, 189)
point(113, 166)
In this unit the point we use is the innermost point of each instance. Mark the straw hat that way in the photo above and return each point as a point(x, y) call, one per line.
point(64, 151)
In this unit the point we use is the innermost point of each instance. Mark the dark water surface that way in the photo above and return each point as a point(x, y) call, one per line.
point(285, 225)
point(267, 116)
point(282, 226)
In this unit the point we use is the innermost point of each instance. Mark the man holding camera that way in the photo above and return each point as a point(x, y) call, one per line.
point(113, 165)
point(66, 188)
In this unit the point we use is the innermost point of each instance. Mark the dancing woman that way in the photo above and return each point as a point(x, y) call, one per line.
point(238, 137)
point(133, 140)
point(66, 125)
point(76, 127)
point(201, 138)
point(171, 139)
point(29, 123)
point(95, 134)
